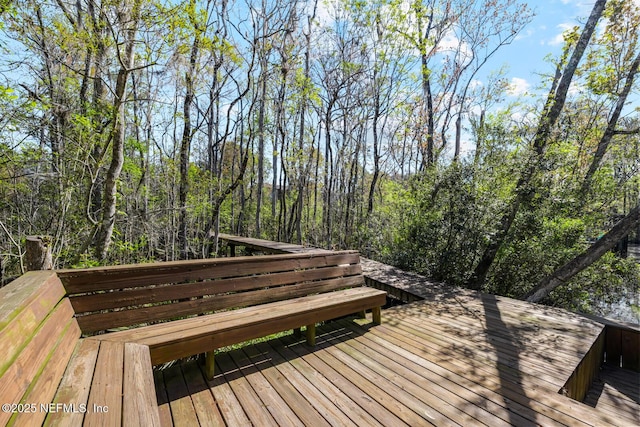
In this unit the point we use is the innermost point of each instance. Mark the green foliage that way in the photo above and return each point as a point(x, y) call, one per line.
point(441, 229)
point(365, 71)
point(603, 288)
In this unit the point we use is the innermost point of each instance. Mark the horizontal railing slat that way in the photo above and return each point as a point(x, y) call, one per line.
point(157, 294)
point(136, 316)
point(117, 277)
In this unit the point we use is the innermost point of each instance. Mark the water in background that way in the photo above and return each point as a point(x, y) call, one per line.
point(624, 309)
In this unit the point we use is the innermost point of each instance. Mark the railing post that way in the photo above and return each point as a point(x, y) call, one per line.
point(38, 252)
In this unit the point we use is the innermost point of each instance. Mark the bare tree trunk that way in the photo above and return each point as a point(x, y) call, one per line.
point(304, 165)
point(261, 132)
point(586, 258)
point(117, 135)
point(185, 145)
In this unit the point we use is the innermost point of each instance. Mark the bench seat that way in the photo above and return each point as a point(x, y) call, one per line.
point(187, 337)
point(106, 383)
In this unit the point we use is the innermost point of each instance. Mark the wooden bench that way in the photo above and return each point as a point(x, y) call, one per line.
point(268, 294)
point(49, 375)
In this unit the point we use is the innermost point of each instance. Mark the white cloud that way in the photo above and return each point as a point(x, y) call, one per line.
point(575, 88)
point(525, 118)
point(526, 34)
point(518, 86)
point(450, 48)
point(559, 38)
point(324, 18)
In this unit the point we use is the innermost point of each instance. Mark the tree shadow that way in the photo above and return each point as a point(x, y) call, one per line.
point(496, 326)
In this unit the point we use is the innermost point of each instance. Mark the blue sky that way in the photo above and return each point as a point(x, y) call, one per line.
point(543, 36)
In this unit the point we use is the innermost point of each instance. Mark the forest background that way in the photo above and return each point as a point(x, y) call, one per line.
point(135, 131)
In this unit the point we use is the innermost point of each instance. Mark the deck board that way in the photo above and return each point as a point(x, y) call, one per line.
point(277, 406)
point(203, 402)
point(163, 401)
point(318, 401)
point(268, 245)
point(183, 412)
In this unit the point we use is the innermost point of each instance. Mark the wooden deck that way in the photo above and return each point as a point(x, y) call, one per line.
point(617, 392)
point(523, 348)
point(267, 246)
point(461, 360)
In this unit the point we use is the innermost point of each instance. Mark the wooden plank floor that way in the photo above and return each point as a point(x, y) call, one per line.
point(463, 361)
point(617, 392)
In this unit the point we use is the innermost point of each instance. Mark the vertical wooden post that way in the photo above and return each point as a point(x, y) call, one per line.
point(209, 364)
point(39, 253)
point(376, 314)
point(311, 334)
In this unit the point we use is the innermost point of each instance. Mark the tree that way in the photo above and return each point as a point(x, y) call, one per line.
point(188, 130)
point(128, 17)
point(556, 98)
point(620, 42)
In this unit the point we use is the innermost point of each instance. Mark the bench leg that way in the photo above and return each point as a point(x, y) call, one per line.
point(311, 334)
point(362, 314)
point(297, 332)
point(209, 365)
point(376, 313)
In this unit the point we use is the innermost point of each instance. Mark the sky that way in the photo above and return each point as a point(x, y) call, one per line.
point(543, 36)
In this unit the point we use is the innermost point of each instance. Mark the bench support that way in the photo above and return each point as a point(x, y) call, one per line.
point(311, 334)
point(209, 364)
point(376, 313)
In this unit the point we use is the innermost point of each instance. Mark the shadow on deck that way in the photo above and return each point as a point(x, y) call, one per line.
point(617, 392)
point(464, 362)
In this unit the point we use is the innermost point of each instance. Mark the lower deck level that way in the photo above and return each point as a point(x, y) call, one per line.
point(617, 393)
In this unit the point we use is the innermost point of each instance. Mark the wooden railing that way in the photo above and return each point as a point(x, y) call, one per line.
point(622, 347)
point(587, 370)
point(618, 345)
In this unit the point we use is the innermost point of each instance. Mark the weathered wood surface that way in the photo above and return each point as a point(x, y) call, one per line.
point(111, 297)
point(181, 338)
point(107, 384)
point(617, 393)
point(49, 375)
point(269, 246)
point(453, 362)
point(621, 340)
point(37, 336)
point(38, 253)
point(402, 285)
